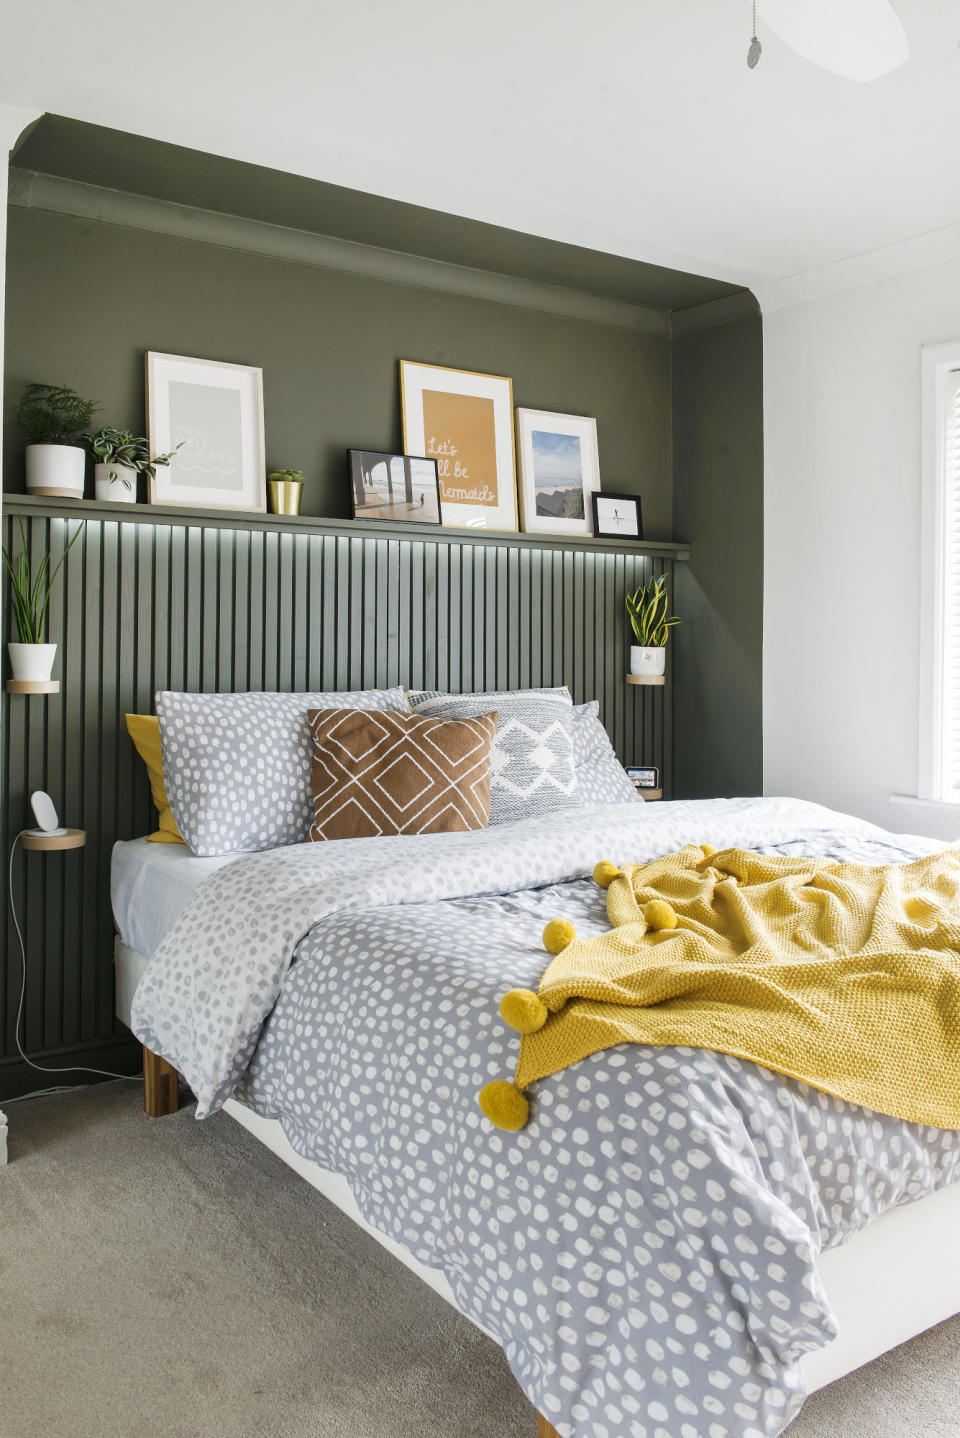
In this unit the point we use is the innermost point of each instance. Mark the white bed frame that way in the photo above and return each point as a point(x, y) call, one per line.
point(895, 1279)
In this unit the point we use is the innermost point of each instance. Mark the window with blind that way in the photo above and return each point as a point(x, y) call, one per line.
point(940, 697)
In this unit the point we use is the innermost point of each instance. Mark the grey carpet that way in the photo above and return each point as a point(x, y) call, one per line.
point(169, 1279)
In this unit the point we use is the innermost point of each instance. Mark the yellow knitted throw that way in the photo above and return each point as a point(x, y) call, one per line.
point(844, 975)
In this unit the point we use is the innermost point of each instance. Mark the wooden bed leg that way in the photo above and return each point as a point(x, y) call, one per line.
point(160, 1095)
point(545, 1429)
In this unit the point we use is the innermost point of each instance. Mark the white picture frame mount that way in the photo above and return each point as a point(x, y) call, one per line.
point(222, 462)
point(569, 443)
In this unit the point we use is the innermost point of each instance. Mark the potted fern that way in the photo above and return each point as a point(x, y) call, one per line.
point(31, 658)
point(651, 625)
point(53, 418)
point(119, 457)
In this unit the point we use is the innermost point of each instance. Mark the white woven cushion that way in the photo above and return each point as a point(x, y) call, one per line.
point(532, 752)
point(237, 766)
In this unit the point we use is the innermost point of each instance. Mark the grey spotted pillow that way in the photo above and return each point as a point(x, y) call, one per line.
point(532, 753)
point(237, 766)
point(601, 778)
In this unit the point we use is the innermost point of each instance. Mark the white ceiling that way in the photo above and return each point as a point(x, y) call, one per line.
point(630, 127)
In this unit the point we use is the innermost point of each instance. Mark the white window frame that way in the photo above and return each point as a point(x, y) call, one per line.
point(937, 363)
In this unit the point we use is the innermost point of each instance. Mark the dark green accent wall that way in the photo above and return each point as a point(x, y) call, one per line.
point(85, 300)
point(680, 424)
point(718, 508)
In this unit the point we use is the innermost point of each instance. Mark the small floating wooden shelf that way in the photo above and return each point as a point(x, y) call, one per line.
point(72, 839)
point(646, 679)
point(33, 686)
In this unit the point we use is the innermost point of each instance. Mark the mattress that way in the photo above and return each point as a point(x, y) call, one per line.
point(151, 885)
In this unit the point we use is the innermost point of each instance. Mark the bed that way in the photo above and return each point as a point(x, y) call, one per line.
point(339, 1001)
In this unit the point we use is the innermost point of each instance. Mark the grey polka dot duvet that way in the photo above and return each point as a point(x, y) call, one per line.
point(645, 1249)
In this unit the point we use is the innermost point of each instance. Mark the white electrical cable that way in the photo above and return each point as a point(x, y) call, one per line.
point(43, 1068)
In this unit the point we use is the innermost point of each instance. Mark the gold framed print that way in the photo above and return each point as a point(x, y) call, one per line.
point(211, 414)
point(464, 421)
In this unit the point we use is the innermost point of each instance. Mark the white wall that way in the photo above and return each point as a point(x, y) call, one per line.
point(842, 542)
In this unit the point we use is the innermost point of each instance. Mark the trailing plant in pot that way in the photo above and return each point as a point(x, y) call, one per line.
point(119, 457)
point(53, 419)
point(32, 658)
point(286, 490)
point(651, 625)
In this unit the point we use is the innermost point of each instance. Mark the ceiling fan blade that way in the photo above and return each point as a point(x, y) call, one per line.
point(859, 39)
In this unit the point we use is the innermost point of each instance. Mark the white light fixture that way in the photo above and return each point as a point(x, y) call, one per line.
point(45, 813)
point(858, 39)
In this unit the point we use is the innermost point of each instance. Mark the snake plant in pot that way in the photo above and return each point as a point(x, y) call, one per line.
point(53, 420)
point(119, 457)
point(31, 658)
point(651, 625)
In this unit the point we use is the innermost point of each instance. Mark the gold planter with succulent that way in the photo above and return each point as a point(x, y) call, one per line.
point(286, 490)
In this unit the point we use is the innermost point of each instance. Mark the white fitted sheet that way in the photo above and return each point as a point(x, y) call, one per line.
point(151, 885)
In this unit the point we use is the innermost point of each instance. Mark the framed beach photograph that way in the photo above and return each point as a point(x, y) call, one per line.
point(214, 413)
point(559, 471)
point(393, 487)
point(465, 422)
point(617, 516)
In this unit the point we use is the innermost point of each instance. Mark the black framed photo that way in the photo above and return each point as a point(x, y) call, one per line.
point(616, 516)
point(397, 487)
point(648, 778)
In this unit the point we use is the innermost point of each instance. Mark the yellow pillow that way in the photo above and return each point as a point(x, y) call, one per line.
point(144, 730)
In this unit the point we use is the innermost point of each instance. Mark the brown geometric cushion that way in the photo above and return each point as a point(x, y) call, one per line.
point(381, 773)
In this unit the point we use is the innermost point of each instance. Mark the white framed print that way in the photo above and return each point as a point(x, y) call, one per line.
point(464, 421)
point(211, 413)
point(617, 516)
point(559, 471)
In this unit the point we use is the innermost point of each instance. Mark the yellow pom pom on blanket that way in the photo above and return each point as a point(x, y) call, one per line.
point(659, 914)
point(504, 1105)
point(523, 1010)
point(557, 935)
point(605, 873)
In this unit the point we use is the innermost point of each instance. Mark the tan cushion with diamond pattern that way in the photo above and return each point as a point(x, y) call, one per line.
point(380, 773)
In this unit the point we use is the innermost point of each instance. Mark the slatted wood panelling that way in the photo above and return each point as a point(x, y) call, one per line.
point(199, 606)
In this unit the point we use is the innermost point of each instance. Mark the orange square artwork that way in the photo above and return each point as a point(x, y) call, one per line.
point(461, 435)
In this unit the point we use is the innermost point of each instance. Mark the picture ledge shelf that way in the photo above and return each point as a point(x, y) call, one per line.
point(315, 524)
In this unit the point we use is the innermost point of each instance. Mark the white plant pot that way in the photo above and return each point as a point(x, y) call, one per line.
point(32, 661)
point(56, 469)
point(647, 661)
point(115, 491)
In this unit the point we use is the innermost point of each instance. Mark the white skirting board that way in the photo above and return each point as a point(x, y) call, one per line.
point(896, 1278)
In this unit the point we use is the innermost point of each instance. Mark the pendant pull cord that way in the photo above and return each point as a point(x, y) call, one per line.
point(756, 49)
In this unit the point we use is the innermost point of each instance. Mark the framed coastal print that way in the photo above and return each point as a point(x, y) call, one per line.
point(394, 487)
point(617, 516)
point(465, 422)
point(214, 413)
point(559, 471)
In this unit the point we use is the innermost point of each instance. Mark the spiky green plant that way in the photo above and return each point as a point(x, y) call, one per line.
point(649, 619)
point(54, 414)
point(30, 593)
point(120, 449)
